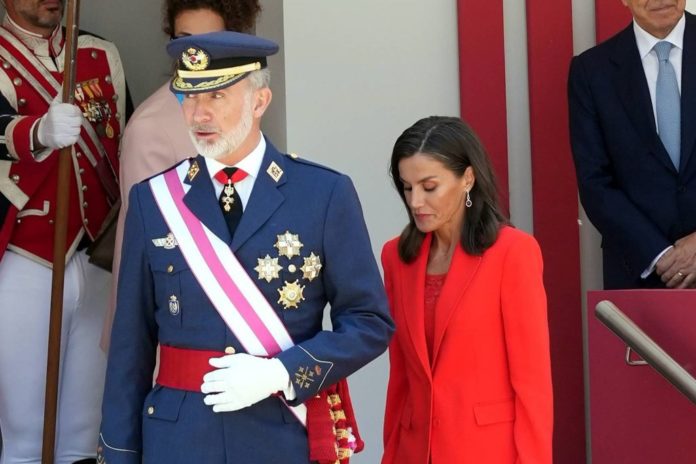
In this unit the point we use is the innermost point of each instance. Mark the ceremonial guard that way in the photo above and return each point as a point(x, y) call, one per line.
point(33, 125)
point(233, 289)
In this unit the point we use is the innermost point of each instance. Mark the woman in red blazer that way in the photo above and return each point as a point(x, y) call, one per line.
point(470, 371)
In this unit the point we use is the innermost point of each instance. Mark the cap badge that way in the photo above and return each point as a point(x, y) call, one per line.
point(195, 59)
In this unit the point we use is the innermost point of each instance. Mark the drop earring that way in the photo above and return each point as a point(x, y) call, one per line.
point(468, 202)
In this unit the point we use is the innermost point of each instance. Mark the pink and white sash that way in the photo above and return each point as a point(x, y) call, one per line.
point(230, 289)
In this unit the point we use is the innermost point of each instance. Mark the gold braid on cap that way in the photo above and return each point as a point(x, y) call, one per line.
point(233, 71)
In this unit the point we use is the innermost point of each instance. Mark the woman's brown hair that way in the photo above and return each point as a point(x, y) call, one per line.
point(452, 142)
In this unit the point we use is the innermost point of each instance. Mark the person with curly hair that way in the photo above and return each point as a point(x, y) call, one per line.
point(237, 15)
point(156, 136)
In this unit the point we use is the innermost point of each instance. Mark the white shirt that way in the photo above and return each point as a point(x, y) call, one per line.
point(648, 56)
point(251, 164)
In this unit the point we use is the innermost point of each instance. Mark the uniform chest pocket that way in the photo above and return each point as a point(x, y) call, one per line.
point(169, 275)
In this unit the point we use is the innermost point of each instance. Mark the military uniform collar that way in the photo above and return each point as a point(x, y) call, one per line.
point(250, 164)
point(42, 47)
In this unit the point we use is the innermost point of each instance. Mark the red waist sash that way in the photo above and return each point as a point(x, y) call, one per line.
point(331, 426)
point(184, 368)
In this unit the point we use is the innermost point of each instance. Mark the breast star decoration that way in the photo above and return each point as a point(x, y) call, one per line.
point(311, 268)
point(291, 294)
point(268, 268)
point(289, 246)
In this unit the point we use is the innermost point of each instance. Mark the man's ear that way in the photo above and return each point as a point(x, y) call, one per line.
point(262, 98)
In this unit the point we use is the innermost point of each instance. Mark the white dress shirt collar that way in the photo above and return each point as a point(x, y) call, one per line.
point(647, 41)
point(251, 164)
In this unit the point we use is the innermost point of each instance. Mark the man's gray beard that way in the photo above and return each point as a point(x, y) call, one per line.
point(227, 142)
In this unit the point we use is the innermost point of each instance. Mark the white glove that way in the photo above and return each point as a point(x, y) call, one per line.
point(60, 126)
point(242, 380)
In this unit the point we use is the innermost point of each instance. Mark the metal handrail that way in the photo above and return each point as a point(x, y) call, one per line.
point(651, 352)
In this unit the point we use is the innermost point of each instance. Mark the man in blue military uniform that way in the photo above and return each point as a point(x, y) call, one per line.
point(233, 290)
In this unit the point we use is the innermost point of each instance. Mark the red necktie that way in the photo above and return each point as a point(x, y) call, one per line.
point(230, 202)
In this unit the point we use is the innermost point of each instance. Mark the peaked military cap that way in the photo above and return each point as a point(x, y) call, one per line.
point(216, 60)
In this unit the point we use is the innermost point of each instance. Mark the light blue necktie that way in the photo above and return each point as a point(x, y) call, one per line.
point(668, 103)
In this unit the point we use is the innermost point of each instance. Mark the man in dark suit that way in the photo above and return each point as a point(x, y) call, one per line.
point(632, 103)
point(229, 259)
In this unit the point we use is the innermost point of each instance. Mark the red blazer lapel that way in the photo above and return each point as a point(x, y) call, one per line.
point(412, 281)
point(462, 269)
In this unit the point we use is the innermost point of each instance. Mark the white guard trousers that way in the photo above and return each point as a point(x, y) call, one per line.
point(25, 296)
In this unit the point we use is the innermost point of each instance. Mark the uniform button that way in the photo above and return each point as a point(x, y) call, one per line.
point(81, 170)
point(292, 268)
point(17, 81)
point(19, 221)
point(22, 101)
point(170, 268)
point(50, 221)
point(78, 154)
point(6, 65)
point(86, 221)
point(84, 188)
point(151, 410)
point(118, 115)
point(94, 55)
point(85, 204)
point(229, 350)
point(15, 178)
point(293, 155)
point(115, 97)
point(108, 79)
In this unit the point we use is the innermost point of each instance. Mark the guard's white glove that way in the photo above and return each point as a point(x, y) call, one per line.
point(242, 380)
point(60, 126)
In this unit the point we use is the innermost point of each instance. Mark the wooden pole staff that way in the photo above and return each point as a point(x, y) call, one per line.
point(59, 245)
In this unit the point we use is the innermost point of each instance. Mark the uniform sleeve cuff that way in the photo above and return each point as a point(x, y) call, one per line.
point(19, 138)
point(307, 372)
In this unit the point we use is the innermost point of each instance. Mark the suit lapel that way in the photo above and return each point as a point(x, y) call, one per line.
point(201, 201)
point(688, 94)
point(413, 299)
point(265, 197)
point(462, 269)
point(632, 88)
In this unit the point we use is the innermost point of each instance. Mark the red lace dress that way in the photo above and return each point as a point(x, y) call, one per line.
point(433, 287)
